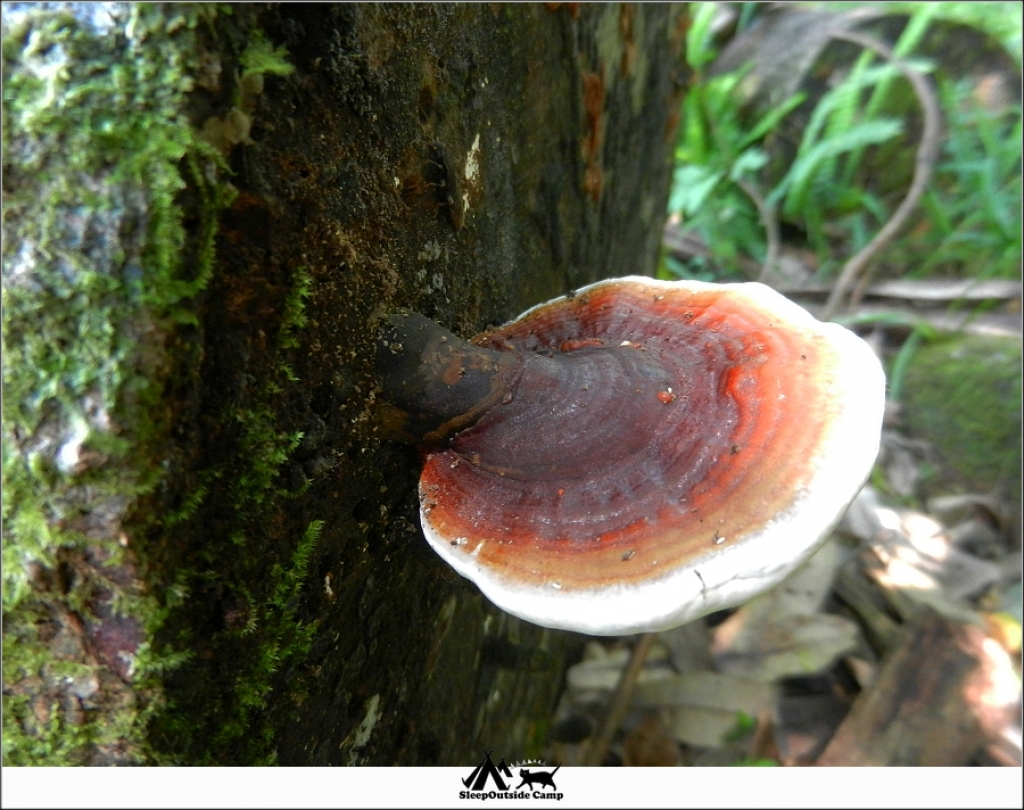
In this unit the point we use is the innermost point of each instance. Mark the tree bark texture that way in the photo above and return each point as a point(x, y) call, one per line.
point(209, 533)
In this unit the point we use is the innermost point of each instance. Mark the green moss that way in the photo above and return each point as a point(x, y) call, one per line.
point(294, 318)
point(964, 396)
point(261, 57)
point(287, 636)
point(270, 637)
point(98, 270)
point(54, 742)
point(257, 568)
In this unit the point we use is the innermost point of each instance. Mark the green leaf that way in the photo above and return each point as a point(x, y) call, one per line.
point(693, 144)
point(772, 120)
point(691, 187)
point(747, 163)
point(699, 50)
point(796, 184)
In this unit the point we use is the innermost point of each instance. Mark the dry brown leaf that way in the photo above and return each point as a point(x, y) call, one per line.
point(650, 745)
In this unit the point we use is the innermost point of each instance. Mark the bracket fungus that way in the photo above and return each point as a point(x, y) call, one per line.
point(638, 453)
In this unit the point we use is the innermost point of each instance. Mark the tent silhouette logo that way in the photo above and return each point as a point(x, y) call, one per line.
point(488, 770)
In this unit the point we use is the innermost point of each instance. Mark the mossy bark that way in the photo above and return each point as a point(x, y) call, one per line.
point(210, 555)
point(963, 397)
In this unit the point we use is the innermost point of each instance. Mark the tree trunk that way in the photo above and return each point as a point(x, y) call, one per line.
point(211, 556)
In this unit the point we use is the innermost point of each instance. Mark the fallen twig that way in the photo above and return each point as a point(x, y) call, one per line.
point(619, 703)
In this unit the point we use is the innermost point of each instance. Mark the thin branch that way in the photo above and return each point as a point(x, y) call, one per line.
point(860, 289)
point(762, 742)
point(771, 228)
point(602, 741)
point(924, 165)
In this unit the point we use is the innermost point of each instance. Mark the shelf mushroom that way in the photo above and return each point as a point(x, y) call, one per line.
point(638, 453)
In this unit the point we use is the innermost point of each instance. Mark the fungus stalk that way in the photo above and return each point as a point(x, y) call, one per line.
point(438, 383)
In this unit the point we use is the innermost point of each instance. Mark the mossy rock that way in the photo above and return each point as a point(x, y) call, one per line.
point(963, 395)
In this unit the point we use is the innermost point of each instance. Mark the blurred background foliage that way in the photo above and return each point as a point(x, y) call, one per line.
point(825, 132)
